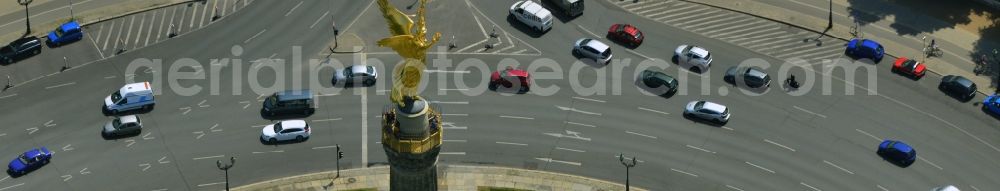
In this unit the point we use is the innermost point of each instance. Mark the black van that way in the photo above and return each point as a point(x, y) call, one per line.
point(289, 102)
point(570, 8)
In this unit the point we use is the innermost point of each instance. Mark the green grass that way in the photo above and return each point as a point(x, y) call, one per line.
point(490, 188)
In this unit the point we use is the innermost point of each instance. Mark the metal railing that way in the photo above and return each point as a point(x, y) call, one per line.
point(392, 138)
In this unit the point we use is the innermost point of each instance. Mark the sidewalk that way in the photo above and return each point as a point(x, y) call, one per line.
point(42, 23)
point(450, 177)
point(958, 44)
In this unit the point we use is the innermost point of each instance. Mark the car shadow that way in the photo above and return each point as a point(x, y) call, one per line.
point(659, 91)
point(703, 121)
point(14, 175)
point(280, 116)
point(129, 112)
point(278, 143)
point(513, 89)
point(957, 97)
point(558, 13)
point(620, 43)
point(524, 28)
point(112, 137)
point(588, 61)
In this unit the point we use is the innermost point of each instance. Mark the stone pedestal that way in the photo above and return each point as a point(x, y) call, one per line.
point(411, 137)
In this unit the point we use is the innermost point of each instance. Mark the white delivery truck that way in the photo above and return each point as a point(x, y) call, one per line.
point(130, 97)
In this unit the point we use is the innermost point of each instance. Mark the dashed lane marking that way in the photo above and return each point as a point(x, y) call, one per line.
point(319, 19)
point(838, 167)
point(589, 99)
point(60, 85)
point(574, 150)
point(453, 153)
point(254, 36)
point(760, 167)
point(733, 187)
point(455, 140)
point(682, 172)
point(516, 117)
point(7, 96)
point(576, 110)
point(880, 187)
point(322, 120)
point(868, 134)
point(580, 124)
point(324, 147)
point(208, 157)
point(779, 145)
point(700, 149)
point(210, 184)
point(293, 8)
point(640, 134)
point(509, 143)
point(13, 186)
point(550, 160)
point(811, 187)
point(655, 111)
point(274, 151)
point(930, 163)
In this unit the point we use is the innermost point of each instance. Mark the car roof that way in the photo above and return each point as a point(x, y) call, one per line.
point(870, 44)
point(293, 124)
point(516, 72)
point(901, 146)
point(25, 40)
point(756, 72)
point(597, 45)
point(965, 82)
point(294, 95)
point(535, 8)
point(359, 69)
point(136, 87)
point(698, 50)
point(69, 25)
point(128, 119)
point(714, 107)
point(630, 29)
point(33, 152)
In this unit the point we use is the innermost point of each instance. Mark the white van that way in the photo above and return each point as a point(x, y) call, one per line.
point(130, 97)
point(532, 14)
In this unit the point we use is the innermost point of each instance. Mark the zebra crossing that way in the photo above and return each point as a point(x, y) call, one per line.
point(760, 35)
point(118, 35)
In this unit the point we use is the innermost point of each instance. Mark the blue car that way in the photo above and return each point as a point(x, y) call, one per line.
point(992, 104)
point(897, 152)
point(66, 33)
point(865, 48)
point(29, 160)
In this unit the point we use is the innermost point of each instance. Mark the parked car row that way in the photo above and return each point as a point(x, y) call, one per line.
point(28, 46)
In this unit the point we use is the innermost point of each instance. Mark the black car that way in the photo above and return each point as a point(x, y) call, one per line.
point(654, 79)
point(289, 102)
point(752, 77)
point(20, 49)
point(958, 86)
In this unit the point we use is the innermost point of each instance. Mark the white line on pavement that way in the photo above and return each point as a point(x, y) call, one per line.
point(274, 151)
point(869, 134)
point(208, 157)
point(588, 99)
point(810, 112)
point(210, 184)
point(453, 153)
point(780, 145)
point(138, 32)
point(630, 158)
point(588, 31)
point(516, 117)
point(700, 149)
point(7, 96)
point(838, 167)
point(651, 110)
point(60, 85)
point(762, 168)
point(322, 120)
point(727, 128)
point(508, 143)
point(640, 134)
point(325, 147)
point(455, 140)
point(880, 187)
point(364, 125)
point(814, 188)
point(574, 150)
point(576, 110)
point(559, 161)
point(682, 172)
point(319, 19)
point(733, 187)
point(580, 124)
point(9, 187)
point(293, 8)
point(930, 163)
point(254, 36)
point(450, 102)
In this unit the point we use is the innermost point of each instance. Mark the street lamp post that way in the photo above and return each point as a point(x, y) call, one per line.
point(225, 168)
point(27, 17)
point(340, 154)
point(628, 165)
point(71, 10)
point(829, 25)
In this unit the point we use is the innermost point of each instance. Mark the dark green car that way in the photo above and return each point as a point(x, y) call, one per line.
point(654, 79)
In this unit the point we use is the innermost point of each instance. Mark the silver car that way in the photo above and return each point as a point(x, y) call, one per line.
point(708, 111)
point(352, 75)
point(697, 59)
point(129, 124)
point(593, 49)
point(296, 130)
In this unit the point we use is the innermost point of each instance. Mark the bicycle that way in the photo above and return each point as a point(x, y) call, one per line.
point(932, 50)
point(981, 65)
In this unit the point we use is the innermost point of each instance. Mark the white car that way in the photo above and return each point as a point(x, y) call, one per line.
point(365, 75)
point(532, 14)
point(593, 49)
point(693, 57)
point(296, 130)
point(708, 111)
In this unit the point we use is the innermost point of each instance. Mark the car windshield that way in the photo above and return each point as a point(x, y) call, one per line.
point(910, 64)
point(638, 35)
point(606, 54)
point(348, 72)
point(585, 41)
point(115, 97)
point(277, 127)
point(699, 105)
point(116, 123)
point(59, 33)
point(23, 158)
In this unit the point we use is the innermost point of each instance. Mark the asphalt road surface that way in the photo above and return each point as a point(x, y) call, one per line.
point(774, 141)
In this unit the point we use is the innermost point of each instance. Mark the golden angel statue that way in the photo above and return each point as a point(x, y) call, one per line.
point(410, 44)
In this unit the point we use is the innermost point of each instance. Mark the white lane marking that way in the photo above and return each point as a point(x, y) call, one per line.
point(588, 99)
point(186, 110)
point(159, 30)
point(322, 120)
point(210, 184)
point(930, 163)
point(84, 171)
point(682, 172)
point(454, 89)
point(588, 31)
point(274, 151)
point(733, 187)
point(293, 8)
point(450, 102)
point(780, 145)
point(700, 149)
point(576, 110)
point(128, 34)
point(324, 147)
point(320, 19)
point(9, 187)
point(942, 120)
point(109, 77)
point(60, 85)
point(66, 177)
point(145, 166)
point(68, 147)
point(163, 160)
point(147, 137)
point(194, 14)
point(760, 167)
point(247, 104)
point(149, 31)
point(640, 134)
point(254, 36)
point(639, 54)
point(455, 140)
point(208, 157)
point(814, 188)
point(580, 124)
point(142, 22)
point(325, 95)
point(574, 150)
point(838, 167)
point(971, 186)
point(161, 189)
point(478, 23)
point(509, 143)
point(550, 160)
point(7, 96)
point(31, 130)
point(364, 124)
point(880, 187)
point(448, 71)
point(455, 114)
point(869, 134)
point(453, 153)
point(516, 117)
point(630, 158)
point(569, 134)
point(4, 178)
point(202, 103)
point(130, 142)
point(810, 112)
point(652, 110)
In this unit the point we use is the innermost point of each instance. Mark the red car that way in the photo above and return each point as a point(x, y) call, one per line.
point(625, 34)
point(909, 67)
point(509, 77)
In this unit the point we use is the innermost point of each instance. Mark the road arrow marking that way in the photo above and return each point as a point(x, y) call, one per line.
point(147, 137)
point(84, 171)
point(130, 142)
point(68, 147)
point(145, 166)
point(163, 160)
point(247, 104)
point(66, 177)
point(32, 130)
